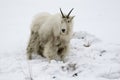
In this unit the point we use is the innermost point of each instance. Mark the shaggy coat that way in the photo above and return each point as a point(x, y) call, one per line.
point(50, 36)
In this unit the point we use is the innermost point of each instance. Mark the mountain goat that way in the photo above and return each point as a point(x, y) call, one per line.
point(50, 35)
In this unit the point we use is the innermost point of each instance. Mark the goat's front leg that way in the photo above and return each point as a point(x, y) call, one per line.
point(63, 52)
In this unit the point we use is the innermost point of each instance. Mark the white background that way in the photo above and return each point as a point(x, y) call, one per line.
point(98, 17)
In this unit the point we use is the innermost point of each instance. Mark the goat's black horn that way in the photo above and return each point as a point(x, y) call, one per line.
point(62, 13)
point(70, 13)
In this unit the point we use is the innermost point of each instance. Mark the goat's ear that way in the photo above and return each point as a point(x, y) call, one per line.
point(72, 17)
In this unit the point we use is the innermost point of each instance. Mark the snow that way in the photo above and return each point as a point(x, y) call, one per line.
point(94, 48)
point(98, 61)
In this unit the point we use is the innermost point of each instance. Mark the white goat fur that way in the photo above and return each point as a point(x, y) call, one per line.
point(47, 38)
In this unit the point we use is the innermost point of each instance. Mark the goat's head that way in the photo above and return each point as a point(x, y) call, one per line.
point(66, 22)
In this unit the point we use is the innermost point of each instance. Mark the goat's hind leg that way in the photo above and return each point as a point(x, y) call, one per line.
point(31, 45)
point(29, 53)
point(39, 49)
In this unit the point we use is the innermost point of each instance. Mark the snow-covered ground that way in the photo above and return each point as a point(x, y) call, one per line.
point(90, 58)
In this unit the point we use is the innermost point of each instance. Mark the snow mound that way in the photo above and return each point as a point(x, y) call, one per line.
point(89, 59)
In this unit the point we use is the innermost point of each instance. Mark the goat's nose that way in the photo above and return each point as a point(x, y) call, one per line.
point(63, 30)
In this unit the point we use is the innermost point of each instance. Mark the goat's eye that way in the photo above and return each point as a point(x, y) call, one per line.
point(68, 21)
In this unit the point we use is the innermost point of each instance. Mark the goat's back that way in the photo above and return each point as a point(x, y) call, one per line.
point(38, 20)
